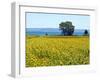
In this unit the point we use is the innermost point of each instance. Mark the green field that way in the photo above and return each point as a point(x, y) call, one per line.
point(56, 50)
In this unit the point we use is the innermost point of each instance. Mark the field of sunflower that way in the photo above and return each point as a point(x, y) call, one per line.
point(56, 50)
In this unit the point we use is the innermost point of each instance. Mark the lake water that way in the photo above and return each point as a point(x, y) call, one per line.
point(50, 31)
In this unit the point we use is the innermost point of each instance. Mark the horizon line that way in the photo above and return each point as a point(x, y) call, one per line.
point(57, 28)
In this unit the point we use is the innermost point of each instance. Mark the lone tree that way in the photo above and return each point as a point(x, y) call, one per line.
point(46, 33)
point(67, 28)
point(86, 32)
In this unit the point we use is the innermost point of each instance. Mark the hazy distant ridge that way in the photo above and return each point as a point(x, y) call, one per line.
point(50, 31)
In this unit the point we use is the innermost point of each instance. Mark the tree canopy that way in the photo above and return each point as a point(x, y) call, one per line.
point(67, 28)
point(86, 32)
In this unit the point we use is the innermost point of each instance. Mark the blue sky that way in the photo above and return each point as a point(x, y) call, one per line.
point(43, 20)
